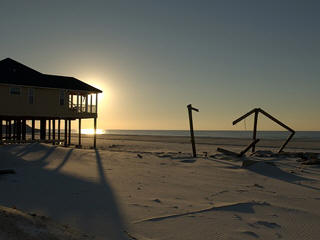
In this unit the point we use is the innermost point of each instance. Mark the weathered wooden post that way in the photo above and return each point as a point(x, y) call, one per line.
point(24, 130)
point(65, 132)
point(79, 132)
point(59, 130)
point(49, 130)
point(190, 108)
point(95, 133)
point(19, 128)
point(32, 129)
point(53, 131)
point(69, 136)
point(0, 130)
point(254, 137)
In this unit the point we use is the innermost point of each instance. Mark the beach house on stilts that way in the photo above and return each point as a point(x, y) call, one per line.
point(27, 95)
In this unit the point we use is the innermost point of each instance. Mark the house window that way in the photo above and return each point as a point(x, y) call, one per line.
point(62, 97)
point(31, 96)
point(15, 91)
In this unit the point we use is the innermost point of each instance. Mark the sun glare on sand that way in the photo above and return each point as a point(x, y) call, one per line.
point(91, 131)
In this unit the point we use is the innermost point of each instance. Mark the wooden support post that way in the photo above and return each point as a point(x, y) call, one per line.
point(32, 129)
point(81, 103)
point(86, 97)
point(190, 108)
point(65, 132)
point(69, 137)
point(96, 103)
point(43, 130)
point(10, 127)
point(244, 116)
point(79, 144)
point(0, 130)
point(254, 136)
point(14, 130)
point(6, 130)
point(286, 142)
point(49, 130)
point(53, 131)
point(254, 142)
point(24, 130)
point(95, 133)
point(78, 109)
point(91, 103)
point(19, 130)
point(59, 120)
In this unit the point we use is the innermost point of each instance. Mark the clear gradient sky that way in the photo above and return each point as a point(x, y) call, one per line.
point(152, 58)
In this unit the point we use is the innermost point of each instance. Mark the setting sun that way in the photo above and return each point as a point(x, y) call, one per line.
point(91, 131)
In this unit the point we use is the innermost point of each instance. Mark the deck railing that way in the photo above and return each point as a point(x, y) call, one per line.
point(83, 108)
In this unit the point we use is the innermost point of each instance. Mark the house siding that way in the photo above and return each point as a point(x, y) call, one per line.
point(46, 104)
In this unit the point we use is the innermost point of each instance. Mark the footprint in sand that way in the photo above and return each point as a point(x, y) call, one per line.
point(156, 200)
point(268, 224)
point(252, 234)
point(237, 217)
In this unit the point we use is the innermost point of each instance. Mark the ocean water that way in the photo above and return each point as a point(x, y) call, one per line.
point(220, 134)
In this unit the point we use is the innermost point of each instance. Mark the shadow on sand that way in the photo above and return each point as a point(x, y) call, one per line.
point(90, 206)
point(275, 172)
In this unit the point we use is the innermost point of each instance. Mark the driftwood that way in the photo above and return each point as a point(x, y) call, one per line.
point(7, 171)
point(256, 111)
point(228, 152)
point(190, 108)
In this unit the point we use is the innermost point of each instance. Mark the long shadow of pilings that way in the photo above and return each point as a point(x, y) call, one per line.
point(87, 205)
point(65, 159)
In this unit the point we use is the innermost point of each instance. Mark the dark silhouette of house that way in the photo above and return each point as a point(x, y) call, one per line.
point(26, 94)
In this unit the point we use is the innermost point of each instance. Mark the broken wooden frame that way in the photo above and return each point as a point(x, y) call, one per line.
point(190, 108)
point(256, 111)
point(228, 152)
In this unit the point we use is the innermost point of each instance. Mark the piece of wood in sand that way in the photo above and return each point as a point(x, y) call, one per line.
point(190, 108)
point(253, 143)
point(227, 152)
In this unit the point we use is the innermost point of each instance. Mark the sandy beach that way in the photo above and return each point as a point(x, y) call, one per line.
point(150, 187)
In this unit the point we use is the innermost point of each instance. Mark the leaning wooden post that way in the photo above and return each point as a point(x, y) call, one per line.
point(190, 108)
point(254, 137)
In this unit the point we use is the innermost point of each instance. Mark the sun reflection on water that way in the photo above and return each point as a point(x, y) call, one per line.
point(91, 131)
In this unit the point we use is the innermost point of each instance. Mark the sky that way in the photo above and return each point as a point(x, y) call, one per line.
point(153, 58)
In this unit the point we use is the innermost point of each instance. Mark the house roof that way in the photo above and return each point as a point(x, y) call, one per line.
point(15, 73)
